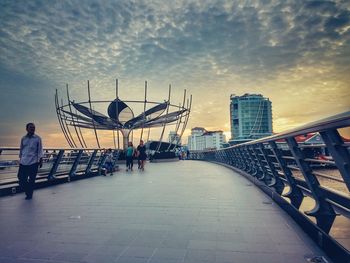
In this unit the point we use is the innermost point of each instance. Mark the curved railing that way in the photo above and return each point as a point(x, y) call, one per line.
point(59, 165)
point(294, 171)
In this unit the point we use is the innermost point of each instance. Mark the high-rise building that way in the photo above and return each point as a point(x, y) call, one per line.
point(251, 117)
point(201, 139)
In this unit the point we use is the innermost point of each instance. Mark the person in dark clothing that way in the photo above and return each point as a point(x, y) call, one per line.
point(31, 158)
point(141, 149)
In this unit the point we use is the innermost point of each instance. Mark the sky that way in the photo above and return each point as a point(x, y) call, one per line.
point(295, 52)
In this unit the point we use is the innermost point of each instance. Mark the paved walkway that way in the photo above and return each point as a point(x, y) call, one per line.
point(186, 211)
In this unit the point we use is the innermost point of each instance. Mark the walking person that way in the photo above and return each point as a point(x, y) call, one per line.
point(129, 155)
point(31, 158)
point(141, 155)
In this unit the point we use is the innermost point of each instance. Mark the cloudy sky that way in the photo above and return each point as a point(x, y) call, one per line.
point(295, 52)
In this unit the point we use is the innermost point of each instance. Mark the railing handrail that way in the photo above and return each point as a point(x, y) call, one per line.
point(59, 164)
point(56, 149)
point(335, 121)
point(275, 166)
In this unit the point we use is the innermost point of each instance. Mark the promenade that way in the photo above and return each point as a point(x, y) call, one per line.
point(186, 211)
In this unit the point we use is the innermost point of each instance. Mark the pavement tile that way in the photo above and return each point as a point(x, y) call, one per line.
point(169, 254)
point(174, 212)
point(194, 255)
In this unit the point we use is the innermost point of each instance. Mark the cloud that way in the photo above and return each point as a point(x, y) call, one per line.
point(141, 37)
point(234, 46)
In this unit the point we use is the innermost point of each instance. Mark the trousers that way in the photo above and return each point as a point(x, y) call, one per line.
point(26, 177)
point(129, 162)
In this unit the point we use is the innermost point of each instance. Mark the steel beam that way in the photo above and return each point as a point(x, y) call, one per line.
point(339, 152)
point(75, 164)
point(263, 172)
point(277, 183)
point(55, 165)
point(295, 194)
point(323, 211)
point(91, 161)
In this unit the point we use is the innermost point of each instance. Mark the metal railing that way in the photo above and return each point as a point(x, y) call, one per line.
point(58, 164)
point(296, 170)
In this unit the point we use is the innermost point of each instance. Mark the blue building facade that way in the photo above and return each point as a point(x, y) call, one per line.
point(250, 116)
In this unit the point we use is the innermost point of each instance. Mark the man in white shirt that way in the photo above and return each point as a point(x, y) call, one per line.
point(30, 154)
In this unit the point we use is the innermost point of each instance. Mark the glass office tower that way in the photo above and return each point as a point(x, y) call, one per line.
point(251, 117)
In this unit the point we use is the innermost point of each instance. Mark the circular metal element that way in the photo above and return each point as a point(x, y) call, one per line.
point(120, 117)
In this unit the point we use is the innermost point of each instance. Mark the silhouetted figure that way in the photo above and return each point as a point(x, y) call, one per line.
point(141, 155)
point(30, 154)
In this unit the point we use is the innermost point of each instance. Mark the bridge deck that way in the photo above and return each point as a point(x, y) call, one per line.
point(184, 211)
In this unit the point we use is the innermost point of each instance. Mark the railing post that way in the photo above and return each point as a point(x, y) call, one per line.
point(249, 160)
point(91, 161)
point(231, 157)
point(244, 159)
point(101, 162)
point(226, 157)
point(55, 165)
point(75, 164)
point(116, 154)
point(295, 194)
point(323, 211)
point(218, 156)
point(206, 156)
point(194, 156)
point(277, 183)
point(256, 172)
point(339, 152)
point(235, 158)
point(222, 156)
point(200, 156)
point(242, 164)
point(263, 172)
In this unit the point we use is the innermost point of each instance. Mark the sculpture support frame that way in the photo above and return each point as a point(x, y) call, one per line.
point(120, 118)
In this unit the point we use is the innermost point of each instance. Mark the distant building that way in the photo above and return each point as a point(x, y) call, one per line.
point(174, 138)
point(251, 117)
point(201, 139)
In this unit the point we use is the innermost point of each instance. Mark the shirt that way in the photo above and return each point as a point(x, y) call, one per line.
point(109, 158)
point(31, 150)
point(142, 150)
point(129, 151)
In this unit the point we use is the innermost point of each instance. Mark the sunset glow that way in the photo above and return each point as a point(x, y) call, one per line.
point(296, 53)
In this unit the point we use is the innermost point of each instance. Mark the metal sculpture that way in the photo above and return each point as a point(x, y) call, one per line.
point(120, 118)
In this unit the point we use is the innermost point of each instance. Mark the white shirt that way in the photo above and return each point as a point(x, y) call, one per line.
point(109, 157)
point(31, 150)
